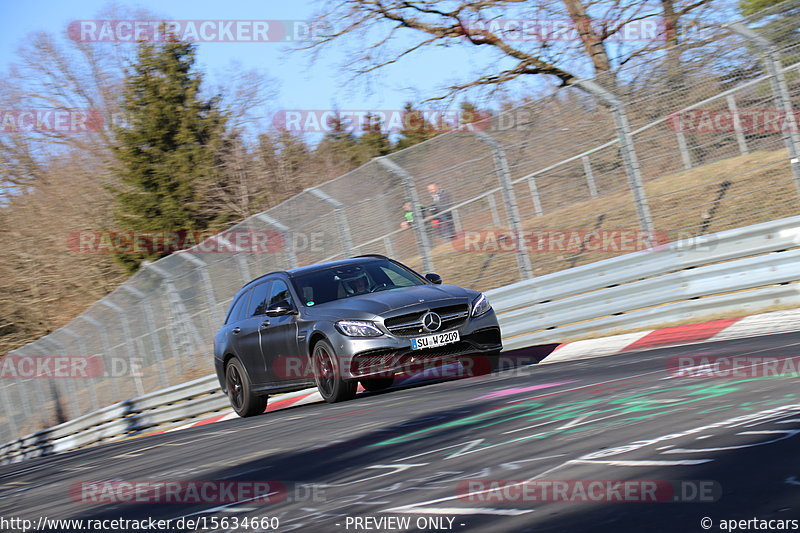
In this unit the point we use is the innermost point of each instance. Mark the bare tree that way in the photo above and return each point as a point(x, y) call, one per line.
point(45, 277)
point(388, 31)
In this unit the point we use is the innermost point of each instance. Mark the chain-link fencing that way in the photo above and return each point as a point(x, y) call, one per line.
point(682, 143)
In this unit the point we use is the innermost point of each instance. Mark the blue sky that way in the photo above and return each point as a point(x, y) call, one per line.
point(300, 85)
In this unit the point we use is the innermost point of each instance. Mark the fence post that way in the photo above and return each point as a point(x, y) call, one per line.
point(587, 170)
point(126, 332)
point(48, 389)
point(493, 208)
point(387, 243)
point(288, 241)
point(241, 262)
point(628, 151)
point(341, 219)
point(504, 175)
point(41, 388)
point(7, 410)
point(780, 89)
point(103, 334)
point(208, 288)
point(185, 334)
point(26, 398)
point(85, 352)
point(737, 125)
point(510, 198)
point(158, 358)
point(684, 150)
point(72, 396)
point(457, 221)
point(419, 222)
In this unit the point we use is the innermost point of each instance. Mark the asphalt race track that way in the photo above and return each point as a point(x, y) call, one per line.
point(453, 455)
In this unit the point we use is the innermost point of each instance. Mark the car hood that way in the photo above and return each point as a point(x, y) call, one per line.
point(366, 306)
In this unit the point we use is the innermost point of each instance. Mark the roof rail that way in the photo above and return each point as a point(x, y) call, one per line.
point(264, 276)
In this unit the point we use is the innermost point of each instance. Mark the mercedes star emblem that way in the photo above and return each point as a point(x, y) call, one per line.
point(431, 321)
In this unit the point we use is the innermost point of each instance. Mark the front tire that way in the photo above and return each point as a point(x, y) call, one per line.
point(328, 375)
point(240, 391)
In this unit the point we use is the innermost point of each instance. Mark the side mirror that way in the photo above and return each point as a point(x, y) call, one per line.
point(434, 278)
point(280, 311)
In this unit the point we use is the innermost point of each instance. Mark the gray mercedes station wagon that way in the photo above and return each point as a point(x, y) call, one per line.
point(336, 324)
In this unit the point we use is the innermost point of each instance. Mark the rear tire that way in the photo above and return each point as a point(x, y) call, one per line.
point(240, 391)
point(328, 375)
point(377, 384)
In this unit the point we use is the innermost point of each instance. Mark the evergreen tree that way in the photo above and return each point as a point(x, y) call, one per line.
point(339, 143)
point(749, 7)
point(470, 113)
point(286, 158)
point(415, 128)
point(373, 142)
point(780, 23)
point(167, 150)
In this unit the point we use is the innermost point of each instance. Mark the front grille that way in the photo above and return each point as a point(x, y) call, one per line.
point(453, 316)
point(373, 361)
point(387, 362)
point(455, 348)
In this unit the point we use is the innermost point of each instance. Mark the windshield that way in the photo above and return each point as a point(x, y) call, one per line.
point(351, 280)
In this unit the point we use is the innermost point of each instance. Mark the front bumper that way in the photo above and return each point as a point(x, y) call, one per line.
point(387, 355)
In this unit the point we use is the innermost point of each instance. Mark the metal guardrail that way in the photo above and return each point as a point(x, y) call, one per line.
point(173, 404)
point(745, 269)
point(741, 269)
point(562, 162)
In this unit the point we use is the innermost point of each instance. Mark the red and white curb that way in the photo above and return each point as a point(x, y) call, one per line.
point(312, 395)
point(715, 330)
point(277, 403)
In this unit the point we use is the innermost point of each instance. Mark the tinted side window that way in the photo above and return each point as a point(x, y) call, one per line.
point(398, 278)
point(258, 302)
point(237, 309)
point(279, 295)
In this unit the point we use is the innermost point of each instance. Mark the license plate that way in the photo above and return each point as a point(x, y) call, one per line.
point(432, 341)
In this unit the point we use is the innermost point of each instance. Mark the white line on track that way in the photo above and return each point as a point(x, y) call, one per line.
point(458, 510)
point(684, 462)
point(421, 507)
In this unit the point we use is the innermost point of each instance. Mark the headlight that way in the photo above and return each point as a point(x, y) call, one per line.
point(480, 305)
point(357, 328)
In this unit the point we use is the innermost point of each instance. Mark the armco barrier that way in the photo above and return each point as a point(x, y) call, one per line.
point(746, 269)
point(732, 270)
point(180, 402)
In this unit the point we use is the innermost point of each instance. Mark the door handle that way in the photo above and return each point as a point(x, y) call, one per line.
point(236, 330)
point(265, 324)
